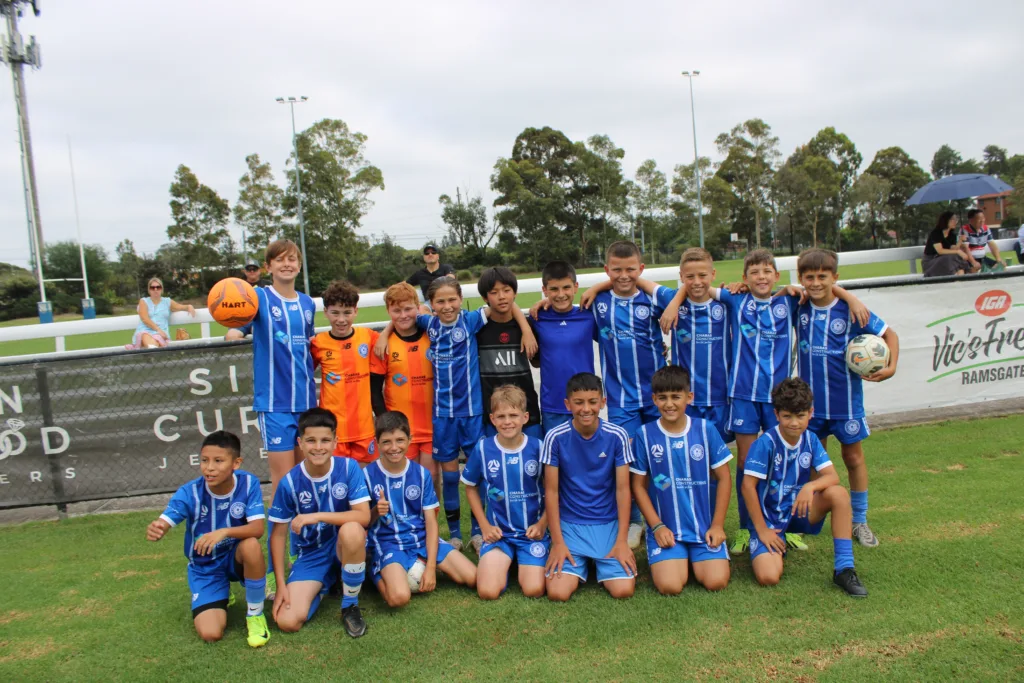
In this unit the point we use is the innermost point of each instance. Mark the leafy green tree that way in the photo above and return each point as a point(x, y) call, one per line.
point(650, 200)
point(751, 152)
point(199, 230)
point(871, 194)
point(840, 150)
point(62, 260)
point(127, 271)
point(611, 198)
point(717, 200)
point(811, 183)
point(905, 177)
point(467, 222)
point(337, 180)
point(945, 161)
point(993, 160)
point(258, 209)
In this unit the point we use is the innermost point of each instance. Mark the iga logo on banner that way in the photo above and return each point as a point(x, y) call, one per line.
point(993, 303)
point(981, 345)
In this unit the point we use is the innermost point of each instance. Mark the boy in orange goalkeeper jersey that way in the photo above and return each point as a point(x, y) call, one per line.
point(352, 377)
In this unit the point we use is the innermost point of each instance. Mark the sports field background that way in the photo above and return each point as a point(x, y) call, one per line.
point(90, 599)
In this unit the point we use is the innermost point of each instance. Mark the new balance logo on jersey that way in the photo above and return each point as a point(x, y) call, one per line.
point(677, 444)
point(514, 460)
point(397, 484)
point(224, 506)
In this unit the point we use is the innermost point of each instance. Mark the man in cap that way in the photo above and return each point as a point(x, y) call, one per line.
point(254, 274)
point(431, 270)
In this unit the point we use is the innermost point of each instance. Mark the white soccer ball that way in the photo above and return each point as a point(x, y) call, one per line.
point(415, 574)
point(867, 354)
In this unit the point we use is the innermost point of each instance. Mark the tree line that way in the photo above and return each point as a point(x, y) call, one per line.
point(556, 198)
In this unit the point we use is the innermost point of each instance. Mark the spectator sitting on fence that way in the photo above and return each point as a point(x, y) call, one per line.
point(155, 317)
point(943, 252)
point(979, 241)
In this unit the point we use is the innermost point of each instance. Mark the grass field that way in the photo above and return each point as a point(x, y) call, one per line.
point(728, 271)
point(90, 599)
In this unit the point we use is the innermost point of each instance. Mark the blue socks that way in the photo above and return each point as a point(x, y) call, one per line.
point(843, 549)
point(452, 511)
point(859, 502)
point(255, 590)
point(352, 576)
point(741, 506)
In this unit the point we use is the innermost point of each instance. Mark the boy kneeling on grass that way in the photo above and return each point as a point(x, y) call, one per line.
point(784, 495)
point(225, 519)
point(404, 539)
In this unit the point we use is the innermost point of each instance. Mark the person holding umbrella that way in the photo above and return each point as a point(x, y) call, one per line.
point(979, 240)
point(944, 253)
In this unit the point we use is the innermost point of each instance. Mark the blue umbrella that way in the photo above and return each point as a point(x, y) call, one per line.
point(960, 186)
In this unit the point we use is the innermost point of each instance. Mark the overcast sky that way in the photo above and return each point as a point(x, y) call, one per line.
point(442, 89)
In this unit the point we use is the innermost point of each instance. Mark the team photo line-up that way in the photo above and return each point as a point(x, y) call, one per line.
point(360, 472)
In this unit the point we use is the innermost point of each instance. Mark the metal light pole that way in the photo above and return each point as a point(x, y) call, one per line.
point(690, 75)
point(298, 186)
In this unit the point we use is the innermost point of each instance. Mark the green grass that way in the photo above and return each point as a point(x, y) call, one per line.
point(728, 271)
point(90, 599)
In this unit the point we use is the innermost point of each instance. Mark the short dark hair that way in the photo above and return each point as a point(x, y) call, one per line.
point(817, 259)
point(491, 277)
point(670, 378)
point(341, 293)
point(973, 212)
point(317, 417)
point(391, 421)
point(622, 249)
point(438, 283)
point(583, 381)
point(225, 440)
point(759, 257)
point(792, 395)
point(557, 270)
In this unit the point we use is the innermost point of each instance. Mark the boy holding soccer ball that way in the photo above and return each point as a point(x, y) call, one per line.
point(407, 549)
point(824, 330)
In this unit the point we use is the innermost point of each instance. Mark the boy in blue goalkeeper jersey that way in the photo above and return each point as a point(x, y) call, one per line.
point(789, 484)
point(224, 519)
point(407, 550)
point(458, 405)
point(324, 502)
point(681, 481)
point(824, 329)
point(586, 496)
point(514, 525)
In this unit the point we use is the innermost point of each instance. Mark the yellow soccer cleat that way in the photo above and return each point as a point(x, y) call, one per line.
point(259, 634)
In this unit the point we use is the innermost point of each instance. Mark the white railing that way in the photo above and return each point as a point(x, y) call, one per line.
point(60, 330)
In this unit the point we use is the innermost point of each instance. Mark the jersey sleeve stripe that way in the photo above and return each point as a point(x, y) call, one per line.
point(827, 463)
point(359, 500)
point(722, 461)
point(169, 520)
point(431, 506)
point(253, 518)
point(280, 520)
point(758, 475)
point(634, 470)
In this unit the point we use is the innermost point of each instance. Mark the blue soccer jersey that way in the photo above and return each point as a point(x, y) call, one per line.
point(761, 331)
point(515, 486)
point(586, 470)
point(823, 335)
point(630, 342)
point(566, 342)
point(782, 470)
point(678, 469)
point(300, 494)
point(410, 494)
point(281, 362)
point(203, 512)
point(453, 351)
point(701, 345)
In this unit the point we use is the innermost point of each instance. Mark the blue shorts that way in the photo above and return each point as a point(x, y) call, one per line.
point(751, 417)
point(631, 420)
point(846, 431)
point(212, 584)
point(280, 431)
point(696, 552)
point(551, 420)
point(797, 525)
point(525, 551)
point(716, 415)
point(318, 564)
point(406, 558)
point(592, 542)
point(529, 430)
point(453, 433)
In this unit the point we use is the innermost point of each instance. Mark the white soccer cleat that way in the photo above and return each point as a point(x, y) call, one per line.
point(633, 537)
point(477, 541)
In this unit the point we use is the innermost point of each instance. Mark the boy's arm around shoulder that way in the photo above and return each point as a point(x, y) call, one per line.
point(529, 343)
point(858, 311)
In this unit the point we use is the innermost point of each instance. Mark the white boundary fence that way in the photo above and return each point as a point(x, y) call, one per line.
point(60, 330)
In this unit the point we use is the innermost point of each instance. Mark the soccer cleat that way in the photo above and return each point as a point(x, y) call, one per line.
point(477, 541)
point(271, 591)
point(353, 619)
point(259, 634)
point(231, 599)
point(456, 543)
point(739, 546)
point(796, 541)
point(864, 535)
point(848, 580)
point(634, 534)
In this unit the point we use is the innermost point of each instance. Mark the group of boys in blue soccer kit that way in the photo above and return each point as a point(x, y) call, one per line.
point(582, 495)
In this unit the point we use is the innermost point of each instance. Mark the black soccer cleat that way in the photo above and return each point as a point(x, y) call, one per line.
point(848, 580)
point(353, 619)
